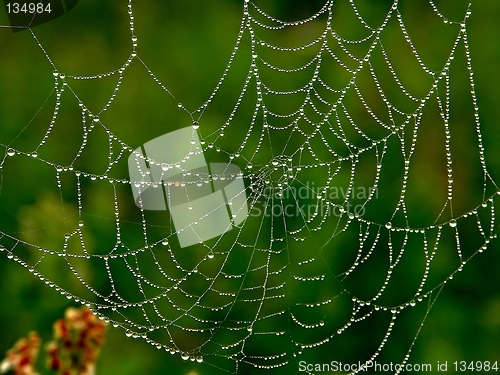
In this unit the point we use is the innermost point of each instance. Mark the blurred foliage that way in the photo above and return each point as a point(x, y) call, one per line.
point(187, 45)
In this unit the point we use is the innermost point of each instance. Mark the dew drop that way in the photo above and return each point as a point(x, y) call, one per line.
point(185, 356)
point(199, 359)
point(34, 154)
point(453, 223)
point(11, 152)
point(388, 225)
point(164, 242)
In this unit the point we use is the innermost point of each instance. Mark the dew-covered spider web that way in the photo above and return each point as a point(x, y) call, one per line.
point(358, 136)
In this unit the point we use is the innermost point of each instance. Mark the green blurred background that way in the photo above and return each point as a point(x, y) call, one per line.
point(187, 45)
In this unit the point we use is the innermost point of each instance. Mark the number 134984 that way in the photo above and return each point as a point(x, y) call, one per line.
point(32, 8)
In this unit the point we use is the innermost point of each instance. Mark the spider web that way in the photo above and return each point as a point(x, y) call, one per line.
point(333, 135)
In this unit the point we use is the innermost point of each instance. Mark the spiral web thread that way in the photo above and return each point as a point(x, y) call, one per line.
point(214, 312)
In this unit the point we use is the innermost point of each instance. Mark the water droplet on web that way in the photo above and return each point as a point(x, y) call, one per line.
point(137, 183)
point(211, 256)
point(453, 223)
point(11, 152)
point(388, 225)
point(185, 356)
point(199, 359)
point(81, 223)
point(165, 167)
point(34, 154)
point(164, 242)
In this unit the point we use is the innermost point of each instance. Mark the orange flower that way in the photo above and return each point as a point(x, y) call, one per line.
point(22, 356)
point(77, 341)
